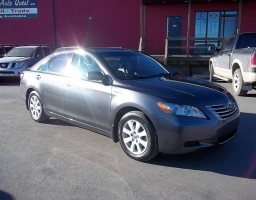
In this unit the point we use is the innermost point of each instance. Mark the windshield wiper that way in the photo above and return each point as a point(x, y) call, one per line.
point(159, 75)
point(136, 77)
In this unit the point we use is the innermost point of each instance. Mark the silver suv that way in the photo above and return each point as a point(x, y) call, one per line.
point(20, 58)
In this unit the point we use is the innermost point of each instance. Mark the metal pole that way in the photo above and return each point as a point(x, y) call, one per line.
point(188, 27)
point(53, 24)
point(142, 25)
point(239, 15)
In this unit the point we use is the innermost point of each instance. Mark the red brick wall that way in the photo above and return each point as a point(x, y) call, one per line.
point(156, 21)
point(29, 31)
point(114, 23)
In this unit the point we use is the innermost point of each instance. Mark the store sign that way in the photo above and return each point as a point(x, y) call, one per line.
point(13, 9)
point(201, 16)
point(214, 15)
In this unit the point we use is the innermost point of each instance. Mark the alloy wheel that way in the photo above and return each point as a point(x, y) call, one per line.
point(135, 137)
point(236, 83)
point(35, 107)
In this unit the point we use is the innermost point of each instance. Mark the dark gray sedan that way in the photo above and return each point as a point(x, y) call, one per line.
point(132, 98)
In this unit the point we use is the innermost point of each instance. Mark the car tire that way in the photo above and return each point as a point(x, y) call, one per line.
point(36, 108)
point(212, 78)
point(238, 83)
point(137, 136)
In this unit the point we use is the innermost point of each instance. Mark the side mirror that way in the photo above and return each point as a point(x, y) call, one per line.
point(211, 48)
point(217, 49)
point(95, 76)
point(5, 55)
point(98, 76)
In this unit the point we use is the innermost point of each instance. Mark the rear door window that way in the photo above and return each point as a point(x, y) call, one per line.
point(58, 63)
point(246, 40)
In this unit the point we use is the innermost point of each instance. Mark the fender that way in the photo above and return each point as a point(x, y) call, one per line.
point(238, 62)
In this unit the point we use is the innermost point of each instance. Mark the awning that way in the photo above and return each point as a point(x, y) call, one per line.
point(159, 2)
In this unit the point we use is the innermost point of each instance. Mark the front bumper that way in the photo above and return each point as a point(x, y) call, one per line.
point(10, 73)
point(177, 134)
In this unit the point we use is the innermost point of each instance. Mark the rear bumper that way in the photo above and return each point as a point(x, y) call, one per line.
point(182, 136)
point(249, 77)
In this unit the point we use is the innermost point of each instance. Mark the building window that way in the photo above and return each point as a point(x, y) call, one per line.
point(213, 25)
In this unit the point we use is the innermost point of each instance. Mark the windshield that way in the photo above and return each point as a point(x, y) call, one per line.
point(21, 52)
point(133, 65)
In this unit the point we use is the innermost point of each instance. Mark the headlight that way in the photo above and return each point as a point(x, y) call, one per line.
point(19, 64)
point(183, 110)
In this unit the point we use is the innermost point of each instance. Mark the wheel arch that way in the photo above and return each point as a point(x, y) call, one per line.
point(120, 113)
point(236, 65)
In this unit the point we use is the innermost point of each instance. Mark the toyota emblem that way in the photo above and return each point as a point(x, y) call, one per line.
point(230, 104)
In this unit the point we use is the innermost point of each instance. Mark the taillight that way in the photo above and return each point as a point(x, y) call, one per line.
point(21, 76)
point(253, 60)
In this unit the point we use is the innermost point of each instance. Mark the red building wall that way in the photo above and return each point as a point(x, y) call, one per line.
point(248, 17)
point(156, 25)
point(29, 31)
point(114, 23)
point(156, 21)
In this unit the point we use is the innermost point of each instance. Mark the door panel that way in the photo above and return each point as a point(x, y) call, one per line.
point(52, 92)
point(51, 82)
point(88, 102)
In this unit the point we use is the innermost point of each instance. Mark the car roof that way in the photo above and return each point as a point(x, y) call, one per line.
point(110, 49)
point(34, 46)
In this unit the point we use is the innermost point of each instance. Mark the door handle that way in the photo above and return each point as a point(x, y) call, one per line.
point(229, 54)
point(38, 77)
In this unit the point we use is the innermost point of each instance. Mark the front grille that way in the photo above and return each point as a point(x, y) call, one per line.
point(4, 65)
point(224, 112)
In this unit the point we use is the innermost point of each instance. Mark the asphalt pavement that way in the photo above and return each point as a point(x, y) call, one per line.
point(59, 161)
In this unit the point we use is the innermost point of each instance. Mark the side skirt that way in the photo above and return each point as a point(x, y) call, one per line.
point(80, 124)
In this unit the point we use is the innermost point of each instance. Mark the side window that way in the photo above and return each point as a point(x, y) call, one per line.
point(246, 40)
point(39, 53)
point(46, 50)
point(81, 64)
point(58, 63)
point(44, 67)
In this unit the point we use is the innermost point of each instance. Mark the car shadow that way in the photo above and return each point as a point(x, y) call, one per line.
point(57, 122)
point(250, 95)
point(5, 196)
point(236, 158)
point(15, 82)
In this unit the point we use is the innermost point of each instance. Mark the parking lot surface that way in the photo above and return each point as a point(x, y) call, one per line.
point(57, 160)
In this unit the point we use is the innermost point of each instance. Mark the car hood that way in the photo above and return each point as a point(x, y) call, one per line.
point(12, 59)
point(177, 87)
